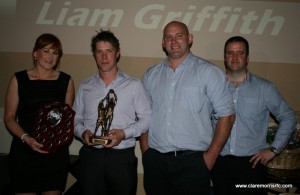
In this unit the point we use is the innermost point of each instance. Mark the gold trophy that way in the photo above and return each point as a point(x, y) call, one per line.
point(105, 116)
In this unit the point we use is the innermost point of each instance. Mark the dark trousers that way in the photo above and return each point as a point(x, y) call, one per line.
point(169, 174)
point(229, 171)
point(107, 171)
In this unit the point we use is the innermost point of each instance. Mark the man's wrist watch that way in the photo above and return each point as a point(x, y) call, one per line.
point(274, 150)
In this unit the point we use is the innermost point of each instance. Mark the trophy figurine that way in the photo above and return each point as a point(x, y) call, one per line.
point(105, 116)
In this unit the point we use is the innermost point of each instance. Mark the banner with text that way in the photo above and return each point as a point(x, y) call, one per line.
point(272, 28)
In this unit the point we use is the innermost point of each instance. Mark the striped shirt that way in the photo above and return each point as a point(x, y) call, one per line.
point(182, 103)
point(132, 103)
point(254, 100)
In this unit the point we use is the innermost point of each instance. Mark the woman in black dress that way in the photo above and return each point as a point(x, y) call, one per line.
point(34, 170)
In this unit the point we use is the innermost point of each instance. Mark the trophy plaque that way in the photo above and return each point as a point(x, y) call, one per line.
point(105, 116)
point(54, 125)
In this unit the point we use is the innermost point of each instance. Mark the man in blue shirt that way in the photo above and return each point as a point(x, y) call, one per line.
point(111, 168)
point(244, 157)
point(185, 91)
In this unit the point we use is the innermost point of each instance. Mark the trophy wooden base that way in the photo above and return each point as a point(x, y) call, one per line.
point(99, 141)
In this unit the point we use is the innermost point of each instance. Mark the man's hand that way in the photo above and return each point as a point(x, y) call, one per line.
point(116, 136)
point(86, 135)
point(209, 160)
point(263, 157)
point(222, 132)
point(144, 142)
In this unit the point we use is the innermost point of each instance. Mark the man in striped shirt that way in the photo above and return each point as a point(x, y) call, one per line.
point(244, 157)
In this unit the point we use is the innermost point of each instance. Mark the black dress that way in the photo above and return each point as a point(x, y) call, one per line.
point(32, 171)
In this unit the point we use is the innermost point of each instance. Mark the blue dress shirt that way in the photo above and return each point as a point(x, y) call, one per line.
point(254, 100)
point(132, 104)
point(183, 102)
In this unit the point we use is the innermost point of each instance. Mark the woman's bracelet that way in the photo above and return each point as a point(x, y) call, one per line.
point(22, 137)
